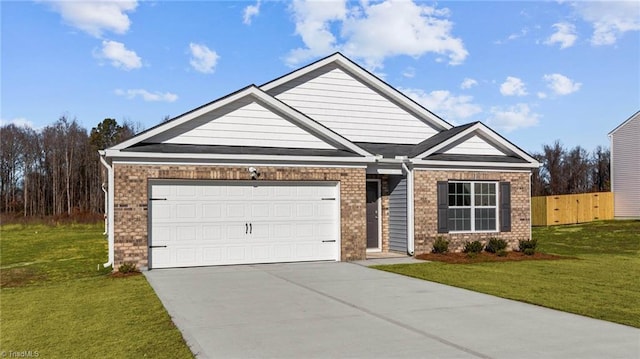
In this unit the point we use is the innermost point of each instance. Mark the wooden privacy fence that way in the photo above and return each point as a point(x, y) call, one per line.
point(571, 208)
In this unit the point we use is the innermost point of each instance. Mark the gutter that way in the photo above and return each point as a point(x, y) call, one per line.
point(106, 208)
point(109, 208)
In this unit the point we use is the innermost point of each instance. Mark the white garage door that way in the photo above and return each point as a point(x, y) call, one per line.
point(201, 223)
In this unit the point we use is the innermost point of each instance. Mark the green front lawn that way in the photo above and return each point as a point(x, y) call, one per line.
point(601, 282)
point(57, 302)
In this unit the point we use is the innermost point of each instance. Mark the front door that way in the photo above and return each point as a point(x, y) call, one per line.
point(373, 202)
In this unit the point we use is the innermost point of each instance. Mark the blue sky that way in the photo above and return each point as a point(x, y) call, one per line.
point(533, 71)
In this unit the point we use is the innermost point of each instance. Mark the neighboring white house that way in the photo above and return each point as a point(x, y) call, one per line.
point(625, 168)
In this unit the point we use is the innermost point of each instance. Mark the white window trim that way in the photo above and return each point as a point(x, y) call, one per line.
point(473, 207)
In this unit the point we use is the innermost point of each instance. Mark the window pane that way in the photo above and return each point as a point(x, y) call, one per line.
point(485, 219)
point(460, 219)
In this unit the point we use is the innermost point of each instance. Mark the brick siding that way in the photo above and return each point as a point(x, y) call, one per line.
point(426, 205)
point(131, 203)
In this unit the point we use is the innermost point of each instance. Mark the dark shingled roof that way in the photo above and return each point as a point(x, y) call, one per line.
point(236, 150)
point(387, 150)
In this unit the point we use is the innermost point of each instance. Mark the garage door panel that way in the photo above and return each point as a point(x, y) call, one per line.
point(162, 211)
point(211, 232)
point(205, 223)
point(186, 192)
point(186, 210)
point(212, 211)
point(282, 210)
point(260, 210)
point(236, 210)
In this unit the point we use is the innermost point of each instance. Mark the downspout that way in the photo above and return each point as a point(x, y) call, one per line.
point(109, 208)
point(106, 209)
point(410, 209)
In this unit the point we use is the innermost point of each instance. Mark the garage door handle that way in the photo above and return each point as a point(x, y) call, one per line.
point(246, 228)
point(328, 240)
point(157, 246)
point(250, 228)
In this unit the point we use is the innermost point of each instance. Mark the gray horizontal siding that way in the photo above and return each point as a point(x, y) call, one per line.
point(625, 164)
point(398, 213)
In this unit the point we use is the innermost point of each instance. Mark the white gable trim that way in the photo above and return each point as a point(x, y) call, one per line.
point(486, 133)
point(297, 117)
point(368, 78)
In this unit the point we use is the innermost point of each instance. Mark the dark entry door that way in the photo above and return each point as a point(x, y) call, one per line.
point(372, 215)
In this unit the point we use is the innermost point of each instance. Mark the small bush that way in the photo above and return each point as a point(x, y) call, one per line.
point(440, 246)
point(501, 253)
point(473, 247)
point(528, 246)
point(496, 245)
point(127, 268)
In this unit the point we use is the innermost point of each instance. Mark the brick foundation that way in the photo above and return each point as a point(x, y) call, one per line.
point(131, 203)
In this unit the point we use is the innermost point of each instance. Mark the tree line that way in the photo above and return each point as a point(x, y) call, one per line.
point(56, 170)
point(568, 171)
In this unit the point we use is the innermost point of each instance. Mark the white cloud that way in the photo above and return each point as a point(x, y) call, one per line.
point(541, 95)
point(119, 55)
point(18, 121)
point(561, 85)
point(444, 104)
point(409, 72)
point(523, 32)
point(374, 31)
point(512, 118)
point(313, 20)
point(250, 12)
point(468, 83)
point(96, 17)
point(146, 95)
point(565, 35)
point(202, 58)
point(610, 19)
point(513, 86)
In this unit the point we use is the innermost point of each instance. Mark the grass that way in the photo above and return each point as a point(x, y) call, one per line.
point(55, 300)
point(602, 282)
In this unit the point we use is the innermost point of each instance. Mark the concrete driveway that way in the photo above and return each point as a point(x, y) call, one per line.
point(338, 310)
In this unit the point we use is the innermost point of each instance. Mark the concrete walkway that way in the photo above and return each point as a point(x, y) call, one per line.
point(344, 310)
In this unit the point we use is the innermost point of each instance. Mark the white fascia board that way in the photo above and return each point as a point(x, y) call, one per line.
point(147, 162)
point(472, 169)
point(454, 165)
point(367, 78)
point(492, 135)
point(116, 154)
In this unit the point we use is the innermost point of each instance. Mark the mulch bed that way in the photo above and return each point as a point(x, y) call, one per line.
point(464, 258)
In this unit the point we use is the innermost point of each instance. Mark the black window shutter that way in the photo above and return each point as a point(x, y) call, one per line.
point(505, 207)
point(443, 207)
